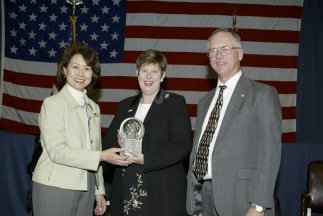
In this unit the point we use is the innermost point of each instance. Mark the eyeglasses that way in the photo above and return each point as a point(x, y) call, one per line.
point(226, 50)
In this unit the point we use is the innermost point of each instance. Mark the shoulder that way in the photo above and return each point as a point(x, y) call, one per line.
point(257, 86)
point(170, 97)
point(54, 99)
point(128, 100)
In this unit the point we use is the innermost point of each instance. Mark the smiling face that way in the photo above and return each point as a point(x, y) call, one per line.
point(78, 73)
point(225, 66)
point(149, 77)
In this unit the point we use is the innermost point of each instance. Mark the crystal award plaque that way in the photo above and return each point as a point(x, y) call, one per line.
point(132, 130)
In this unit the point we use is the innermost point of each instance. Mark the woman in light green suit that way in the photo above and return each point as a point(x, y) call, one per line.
point(68, 176)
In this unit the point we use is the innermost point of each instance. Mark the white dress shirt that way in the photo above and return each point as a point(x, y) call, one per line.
point(230, 86)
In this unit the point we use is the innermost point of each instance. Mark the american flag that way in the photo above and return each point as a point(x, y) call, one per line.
point(35, 31)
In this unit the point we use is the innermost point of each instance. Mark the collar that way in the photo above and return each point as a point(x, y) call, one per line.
point(232, 82)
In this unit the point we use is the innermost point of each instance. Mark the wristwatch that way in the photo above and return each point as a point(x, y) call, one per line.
point(258, 208)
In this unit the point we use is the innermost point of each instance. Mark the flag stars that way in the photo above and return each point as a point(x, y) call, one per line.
point(105, 10)
point(42, 44)
point(22, 8)
point(95, 2)
point(13, 49)
point(53, 17)
point(94, 36)
point(62, 27)
point(13, 33)
point(105, 28)
point(22, 42)
point(32, 34)
point(13, 15)
point(39, 29)
point(115, 36)
point(62, 44)
point(32, 17)
point(84, 27)
point(53, 2)
point(22, 25)
point(42, 26)
point(113, 54)
point(116, 2)
point(52, 53)
point(84, 9)
point(64, 9)
point(104, 46)
point(52, 35)
point(95, 19)
point(43, 9)
point(32, 51)
point(115, 19)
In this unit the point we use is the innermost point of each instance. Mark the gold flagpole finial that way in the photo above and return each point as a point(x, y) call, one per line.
point(234, 27)
point(74, 3)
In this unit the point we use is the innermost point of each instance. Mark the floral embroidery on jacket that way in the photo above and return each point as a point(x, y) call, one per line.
point(136, 192)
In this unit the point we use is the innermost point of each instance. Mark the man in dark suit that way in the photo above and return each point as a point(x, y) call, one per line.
point(243, 155)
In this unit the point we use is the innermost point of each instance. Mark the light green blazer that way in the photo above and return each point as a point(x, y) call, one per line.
point(65, 161)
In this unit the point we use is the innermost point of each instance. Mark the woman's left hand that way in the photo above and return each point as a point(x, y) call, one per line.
point(137, 158)
point(101, 205)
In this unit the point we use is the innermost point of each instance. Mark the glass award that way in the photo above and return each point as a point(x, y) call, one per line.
point(132, 130)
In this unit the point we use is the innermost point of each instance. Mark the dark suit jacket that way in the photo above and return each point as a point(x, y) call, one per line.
point(166, 144)
point(246, 155)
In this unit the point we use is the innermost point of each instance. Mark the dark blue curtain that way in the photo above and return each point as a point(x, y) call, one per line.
point(310, 75)
point(16, 152)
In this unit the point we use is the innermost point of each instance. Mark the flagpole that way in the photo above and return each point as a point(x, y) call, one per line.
point(74, 3)
point(234, 27)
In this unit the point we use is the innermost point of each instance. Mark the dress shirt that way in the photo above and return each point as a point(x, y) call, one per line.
point(230, 86)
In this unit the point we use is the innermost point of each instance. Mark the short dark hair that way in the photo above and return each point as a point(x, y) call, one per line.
point(152, 57)
point(90, 57)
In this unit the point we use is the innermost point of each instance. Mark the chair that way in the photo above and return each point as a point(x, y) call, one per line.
point(277, 206)
point(312, 198)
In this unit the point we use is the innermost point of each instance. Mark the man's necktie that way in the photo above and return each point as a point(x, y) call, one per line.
point(201, 159)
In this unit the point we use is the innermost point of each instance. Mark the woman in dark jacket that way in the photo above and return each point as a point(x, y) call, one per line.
point(155, 183)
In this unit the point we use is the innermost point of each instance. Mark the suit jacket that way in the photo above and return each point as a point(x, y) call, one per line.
point(64, 162)
point(165, 145)
point(246, 155)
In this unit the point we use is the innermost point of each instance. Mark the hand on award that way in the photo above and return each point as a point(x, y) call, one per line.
point(113, 156)
point(137, 158)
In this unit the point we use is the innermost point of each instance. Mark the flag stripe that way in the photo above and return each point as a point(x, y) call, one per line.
point(115, 82)
point(199, 59)
point(185, 71)
point(161, 32)
point(26, 79)
point(29, 105)
point(213, 8)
